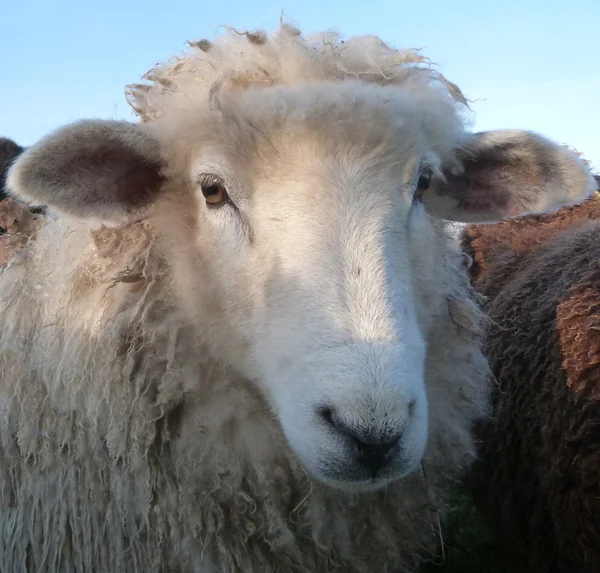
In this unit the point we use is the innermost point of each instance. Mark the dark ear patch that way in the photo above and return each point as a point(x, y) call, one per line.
point(125, 178)
point(506, 173)
point(488, 187)
point(108, 171)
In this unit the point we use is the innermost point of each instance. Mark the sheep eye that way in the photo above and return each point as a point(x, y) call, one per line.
point(423, 183)
point(214, 192)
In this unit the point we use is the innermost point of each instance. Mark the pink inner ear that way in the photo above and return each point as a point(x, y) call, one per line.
point(489, 187)
point(127, 178)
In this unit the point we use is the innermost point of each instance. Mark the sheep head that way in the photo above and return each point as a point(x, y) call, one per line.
point(299, 220)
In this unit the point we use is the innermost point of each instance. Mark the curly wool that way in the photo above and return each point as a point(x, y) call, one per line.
point(172, 475)
point(127, 447)
point(253, 59)
point(19, 225)
point(536, 480)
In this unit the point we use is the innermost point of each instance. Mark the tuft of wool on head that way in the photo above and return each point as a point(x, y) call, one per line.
point(239, 61)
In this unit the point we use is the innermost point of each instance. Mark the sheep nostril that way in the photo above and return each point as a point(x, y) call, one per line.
point(327, 415)
point(412, 406)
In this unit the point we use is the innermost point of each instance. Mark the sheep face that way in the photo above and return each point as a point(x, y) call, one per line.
point(299, 231)
point(307, 207)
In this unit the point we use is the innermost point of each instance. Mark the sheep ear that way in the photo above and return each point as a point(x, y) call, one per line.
point(106, 171)
point(506, 173)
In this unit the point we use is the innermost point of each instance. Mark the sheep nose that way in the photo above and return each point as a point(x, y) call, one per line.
point(372, 449)
point(374, 456)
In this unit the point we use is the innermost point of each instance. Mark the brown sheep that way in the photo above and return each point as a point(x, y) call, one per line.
point(537, 478)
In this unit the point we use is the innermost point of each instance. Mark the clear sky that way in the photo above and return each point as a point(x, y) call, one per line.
point(531, 64)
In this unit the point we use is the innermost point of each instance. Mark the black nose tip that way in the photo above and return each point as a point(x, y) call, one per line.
point(374, 456)
point(372, 448)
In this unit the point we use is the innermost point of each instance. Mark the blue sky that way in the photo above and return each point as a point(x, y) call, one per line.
point(531, 64)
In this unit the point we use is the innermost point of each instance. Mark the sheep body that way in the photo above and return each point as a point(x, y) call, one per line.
point(176, 477)
point(536, 479)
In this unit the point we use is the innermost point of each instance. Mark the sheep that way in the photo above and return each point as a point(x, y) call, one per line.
point(9, 150)
point(536, 480)
point(17, 222)
point(242, 341)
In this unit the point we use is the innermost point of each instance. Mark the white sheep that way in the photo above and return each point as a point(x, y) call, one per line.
point(242, 329)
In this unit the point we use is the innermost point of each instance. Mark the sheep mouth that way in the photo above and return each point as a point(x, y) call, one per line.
point(350, 476)
point(372, 484)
